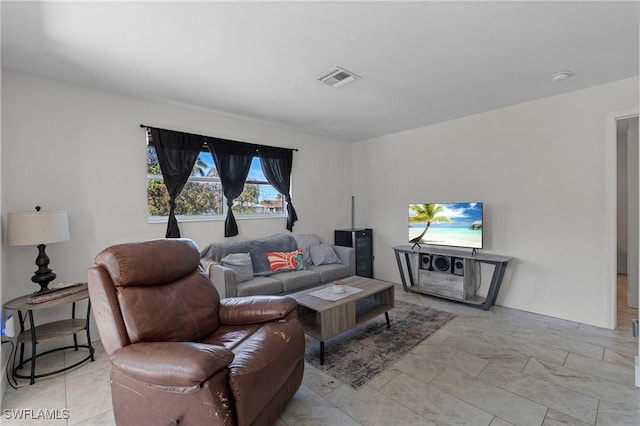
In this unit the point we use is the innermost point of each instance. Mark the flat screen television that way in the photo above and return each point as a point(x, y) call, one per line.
point(446, 224)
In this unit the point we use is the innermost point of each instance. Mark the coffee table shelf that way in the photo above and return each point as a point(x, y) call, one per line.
point(372, 307)
point(310, 321)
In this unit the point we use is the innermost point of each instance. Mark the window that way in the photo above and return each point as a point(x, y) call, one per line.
point(202, 195)
point(258, 197)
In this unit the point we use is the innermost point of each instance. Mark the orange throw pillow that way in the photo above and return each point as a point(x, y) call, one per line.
point(283, 261)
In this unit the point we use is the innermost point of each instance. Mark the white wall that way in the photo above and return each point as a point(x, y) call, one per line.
point(4, 353)
point(538, 167)
point(79, 149)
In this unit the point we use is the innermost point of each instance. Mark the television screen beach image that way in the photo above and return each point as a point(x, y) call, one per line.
point(446, 224)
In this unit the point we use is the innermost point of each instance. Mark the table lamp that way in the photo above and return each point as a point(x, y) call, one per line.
point(38, 228)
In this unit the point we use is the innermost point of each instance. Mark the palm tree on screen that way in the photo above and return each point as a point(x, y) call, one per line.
point(427, 213)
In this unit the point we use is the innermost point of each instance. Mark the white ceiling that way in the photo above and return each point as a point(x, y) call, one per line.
point(421, 62)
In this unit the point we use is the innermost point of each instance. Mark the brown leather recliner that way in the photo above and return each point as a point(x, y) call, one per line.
point(179, 354)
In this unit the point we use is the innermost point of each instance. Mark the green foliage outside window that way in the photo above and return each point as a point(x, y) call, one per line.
point(202, 194)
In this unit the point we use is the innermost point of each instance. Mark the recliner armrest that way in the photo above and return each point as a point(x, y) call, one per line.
point(255, 309)
point(171, 364)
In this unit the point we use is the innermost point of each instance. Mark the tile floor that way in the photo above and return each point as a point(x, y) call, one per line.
point(496, 367)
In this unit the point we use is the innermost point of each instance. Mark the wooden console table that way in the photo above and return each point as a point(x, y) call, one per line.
point(419, 272)
point(49, 331)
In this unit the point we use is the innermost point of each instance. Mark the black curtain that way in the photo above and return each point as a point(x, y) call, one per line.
point(233, 161)
point(177, 153)
point(276, 166)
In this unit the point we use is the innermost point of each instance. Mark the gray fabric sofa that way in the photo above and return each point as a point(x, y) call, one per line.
point(242, 268)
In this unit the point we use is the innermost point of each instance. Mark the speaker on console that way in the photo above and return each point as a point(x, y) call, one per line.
point(441, 263)
point(425, 261)
point(458, 266)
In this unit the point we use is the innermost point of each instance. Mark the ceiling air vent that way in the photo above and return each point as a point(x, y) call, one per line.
point(338, 77)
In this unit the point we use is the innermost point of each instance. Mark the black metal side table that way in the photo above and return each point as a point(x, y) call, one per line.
point(49, 331)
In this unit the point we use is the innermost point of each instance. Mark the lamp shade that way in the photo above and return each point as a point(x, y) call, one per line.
point(39, 227)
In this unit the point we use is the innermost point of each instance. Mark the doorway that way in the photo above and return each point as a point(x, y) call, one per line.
point(627, 221)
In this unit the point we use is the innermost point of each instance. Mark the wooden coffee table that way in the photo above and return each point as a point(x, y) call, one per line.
point(323, 319)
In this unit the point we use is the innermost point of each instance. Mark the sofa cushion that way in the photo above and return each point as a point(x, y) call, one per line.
point(305, 242)
point(329, 273)
point(259, 285)
point(240, 263)
point(216, 251)
point(285, 261)
point(323, 254)
point(297, 280)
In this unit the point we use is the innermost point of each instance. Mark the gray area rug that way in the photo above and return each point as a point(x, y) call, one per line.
point(360, 354)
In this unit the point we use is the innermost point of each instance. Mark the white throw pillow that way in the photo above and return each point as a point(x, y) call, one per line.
point(240, 263)
point(323, 254)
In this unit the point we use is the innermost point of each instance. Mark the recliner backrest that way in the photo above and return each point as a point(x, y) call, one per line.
point(162, 292)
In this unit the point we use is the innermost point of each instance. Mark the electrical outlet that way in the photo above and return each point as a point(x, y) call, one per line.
point(9, 327)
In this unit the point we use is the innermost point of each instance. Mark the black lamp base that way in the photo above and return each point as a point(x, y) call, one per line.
point(43, 276)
